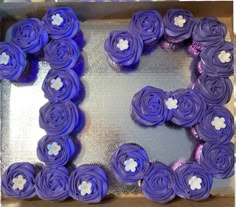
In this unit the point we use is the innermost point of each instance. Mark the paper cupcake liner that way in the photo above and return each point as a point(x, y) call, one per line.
point(194, 49)
point(178, 163)
point(198, 152)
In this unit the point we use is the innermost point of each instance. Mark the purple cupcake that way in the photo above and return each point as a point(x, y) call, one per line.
point(193, 182)
point(129, 163)
point(189, 107)
point(218, 160)
point(214, 90)
point(62, 54)
point(18, 181)
point(88, 184)
point(13, 61)
point(55, 150)
point(158, 183)
point(52, 183)
point(217, 61)
point(217, 125)
point(29, 35)
point(150, 107)
point(149, 25)
point(61, 23)
point(207, 32)
point(59, 118)
point(178, 25)
point(123, 49)
point(61, 84)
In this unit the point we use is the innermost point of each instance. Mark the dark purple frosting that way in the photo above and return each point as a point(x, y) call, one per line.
point(69, 89)
point(208, 132)
point(184, 174)
point(129, 56)
point(65, 153)
point(52, 183)
point(16, 64)
point(158, 183)
point(174, 31)
point(92, 175)
point(59, 118)
point(124, 153)
point(67, 29)
point(148, 24)
point(211, 63)
point(62, 53)
point(214, 90)
point(29, 35)
point(190, 107)
point(218, 160)
point(209, 31)
point(27, 171)
point(148, 107)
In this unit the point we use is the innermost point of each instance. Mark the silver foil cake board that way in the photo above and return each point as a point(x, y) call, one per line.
point(106, 107)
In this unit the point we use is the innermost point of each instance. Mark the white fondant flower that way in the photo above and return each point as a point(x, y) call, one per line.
point(195, 183)
point(171, 103)
point(19, 182)
point(180, 21)
point(56, 83)
point(54, 149)
point(57, 20)
point(85, 188)
point(224, 56)
point(4, 58)
point(130, 165)
point(218, 123)
point(123, 44)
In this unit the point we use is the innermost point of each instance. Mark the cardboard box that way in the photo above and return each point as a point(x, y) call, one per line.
point(119, 13)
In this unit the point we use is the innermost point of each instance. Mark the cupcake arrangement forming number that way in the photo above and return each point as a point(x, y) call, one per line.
point(198, 108)
point(58, 39)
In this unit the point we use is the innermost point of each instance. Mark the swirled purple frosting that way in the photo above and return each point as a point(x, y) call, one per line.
point(88, 184)
point(148, 107)
point(55, 150)
point(59, 118)
point(193, 182)
point(69, 85)
point(218, 160)
point(176, 30)
point(124, 48)
point(61, 23)
point(29, 35)
point(24, 170)
point(62, 53)
point(52, 183)
point(218, 61)
point(123, 161)
point(148, 24)
point(214, 90)
point(158, 183)
point(14, 64)
point(209, 31)
point(190, 107)
point(210, 132)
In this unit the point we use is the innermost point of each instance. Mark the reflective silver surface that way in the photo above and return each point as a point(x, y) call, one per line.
point(107, 109)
